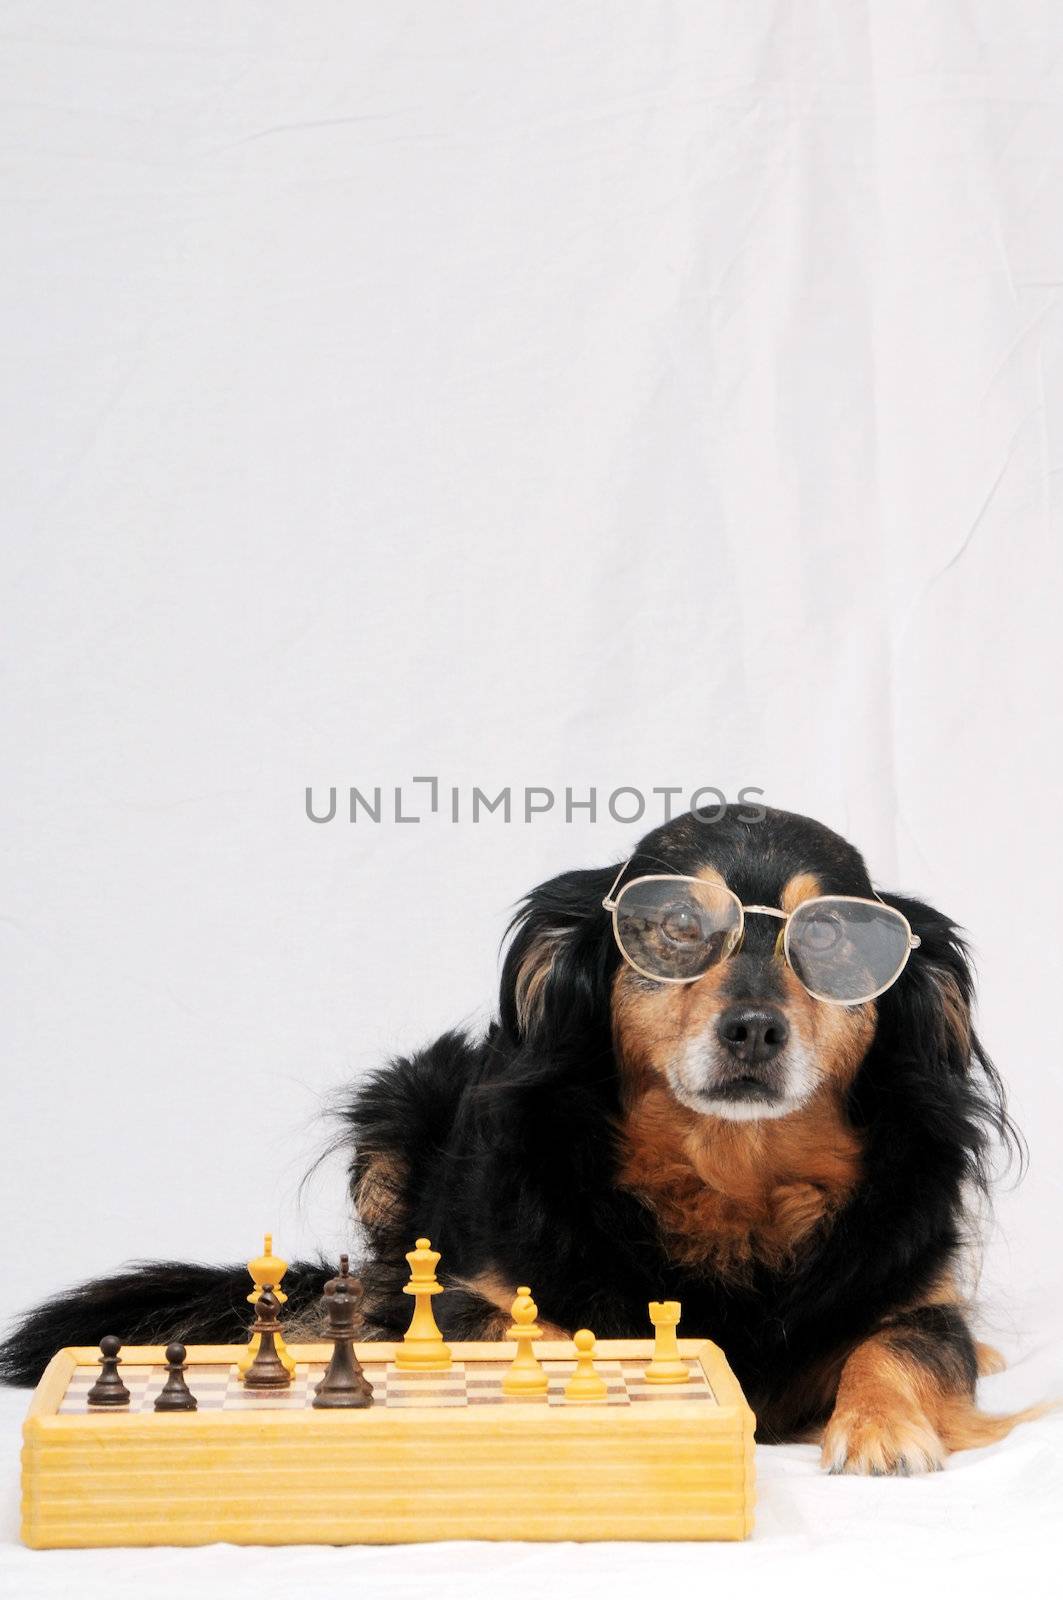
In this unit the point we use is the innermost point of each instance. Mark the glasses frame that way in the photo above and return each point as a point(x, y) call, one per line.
point(612, 900)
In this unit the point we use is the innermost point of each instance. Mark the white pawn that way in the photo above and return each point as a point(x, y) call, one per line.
point(586, 1383)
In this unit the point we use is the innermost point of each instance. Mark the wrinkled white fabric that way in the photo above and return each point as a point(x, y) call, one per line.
point(548, 396)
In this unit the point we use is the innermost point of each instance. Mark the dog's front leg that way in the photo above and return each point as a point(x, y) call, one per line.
point(899, 1394)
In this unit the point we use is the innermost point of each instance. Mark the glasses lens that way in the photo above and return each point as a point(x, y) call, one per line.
point(846, 950)
point(671, 928)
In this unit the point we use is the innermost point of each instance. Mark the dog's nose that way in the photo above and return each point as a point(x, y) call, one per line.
point(753, 1033)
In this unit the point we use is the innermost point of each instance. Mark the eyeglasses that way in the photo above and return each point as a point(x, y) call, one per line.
point(842, 948)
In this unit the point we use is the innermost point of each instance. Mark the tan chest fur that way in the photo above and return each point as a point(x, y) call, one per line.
point(731, 1193)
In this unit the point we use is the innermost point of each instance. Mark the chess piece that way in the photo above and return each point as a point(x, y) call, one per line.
point(109, 1390)
point(266, 1268)
point(586, 1383)
point(344, 1385)
point(525, 1377)
point(175, 1395)
point(666, 1366)
point(423, 1350)
point(267, 1371)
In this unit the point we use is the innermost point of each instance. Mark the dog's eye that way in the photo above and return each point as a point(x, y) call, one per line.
point(821, 931)
point(680, 924)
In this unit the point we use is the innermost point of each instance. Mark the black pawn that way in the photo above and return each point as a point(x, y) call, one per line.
point(175, 1395)
point(344, 1385)
point(267, 1371)
point(109, 1390)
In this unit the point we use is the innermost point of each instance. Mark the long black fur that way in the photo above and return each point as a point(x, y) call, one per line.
point(503, 1151)
point(150, 1302)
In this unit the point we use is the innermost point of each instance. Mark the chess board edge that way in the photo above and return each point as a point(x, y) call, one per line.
point(519, 1471)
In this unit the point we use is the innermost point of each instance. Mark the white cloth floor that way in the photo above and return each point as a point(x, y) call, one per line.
point(989, 1525)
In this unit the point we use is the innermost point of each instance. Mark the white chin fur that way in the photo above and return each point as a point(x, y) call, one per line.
point(744, 1110)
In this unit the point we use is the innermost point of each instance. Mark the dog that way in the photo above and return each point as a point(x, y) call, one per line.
point(731, 1074)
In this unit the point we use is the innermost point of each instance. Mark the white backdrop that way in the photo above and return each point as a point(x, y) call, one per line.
point(587, 394)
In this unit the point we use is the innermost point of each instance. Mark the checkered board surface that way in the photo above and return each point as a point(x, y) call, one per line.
point(467, 1383)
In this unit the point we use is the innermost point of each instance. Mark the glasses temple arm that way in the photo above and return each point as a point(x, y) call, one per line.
point(609, 904)
point(914, 940)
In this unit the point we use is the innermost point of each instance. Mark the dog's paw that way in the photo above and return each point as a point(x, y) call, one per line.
point(877, 1444)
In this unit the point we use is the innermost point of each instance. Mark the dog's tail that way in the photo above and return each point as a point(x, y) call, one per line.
point(963, 1427)
point(151, 1302)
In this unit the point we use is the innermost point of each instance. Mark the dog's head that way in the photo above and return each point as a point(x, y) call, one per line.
point(747, 1039)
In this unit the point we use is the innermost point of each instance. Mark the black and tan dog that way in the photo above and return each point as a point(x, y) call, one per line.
point(797, 1171)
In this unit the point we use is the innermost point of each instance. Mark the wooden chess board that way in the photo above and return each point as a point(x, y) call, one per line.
point(439, 1455)
point(466, 1383)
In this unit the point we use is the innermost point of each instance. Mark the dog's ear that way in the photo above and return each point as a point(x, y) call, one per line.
point(935, 991)
point(556, 975)
point(926, 1031)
